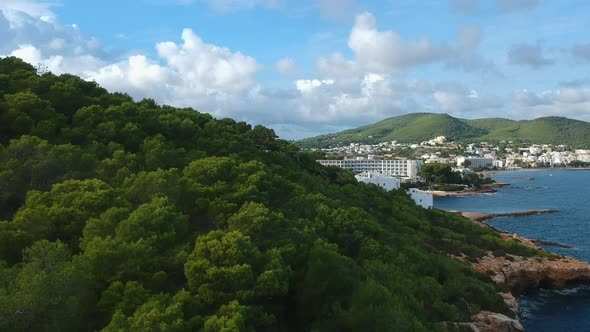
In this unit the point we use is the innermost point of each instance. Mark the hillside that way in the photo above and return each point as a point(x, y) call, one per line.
point(418, 127)
point(118, 215)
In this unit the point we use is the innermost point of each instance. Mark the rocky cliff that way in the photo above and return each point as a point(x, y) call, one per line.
point(520, 273)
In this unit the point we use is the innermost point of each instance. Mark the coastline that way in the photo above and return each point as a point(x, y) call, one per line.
point(519, 274)
point(485, 189)
point(482, 216)
point(534, 169)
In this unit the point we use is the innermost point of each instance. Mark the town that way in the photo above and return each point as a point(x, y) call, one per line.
point(404, 160)
point(389, 164)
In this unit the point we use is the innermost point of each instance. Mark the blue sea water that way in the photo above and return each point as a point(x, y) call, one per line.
point(565, 190)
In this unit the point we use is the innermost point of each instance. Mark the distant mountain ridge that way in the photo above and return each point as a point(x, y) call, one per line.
point(417, 127)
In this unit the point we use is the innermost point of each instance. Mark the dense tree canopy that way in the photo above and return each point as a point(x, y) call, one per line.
point(121, 215)
point(440, 174)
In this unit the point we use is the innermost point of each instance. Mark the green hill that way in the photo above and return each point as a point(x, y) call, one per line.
point(117, 215)
point(418, 127)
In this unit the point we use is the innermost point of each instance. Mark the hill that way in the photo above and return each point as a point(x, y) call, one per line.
point(119, 215)
point(419, 127)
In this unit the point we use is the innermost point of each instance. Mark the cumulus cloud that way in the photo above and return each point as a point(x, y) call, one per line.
point(465, 56)
point(531, 55)
point(529, 98)
point(307, 86)
point(342, 92)
point(383, 51)
point(387, 52)
point(192, 69)
point(193, 73)
point(30, 30)
point(460, 100)
point(569, 94)
point(570, 100)
point(286, 66)
point(31, 7)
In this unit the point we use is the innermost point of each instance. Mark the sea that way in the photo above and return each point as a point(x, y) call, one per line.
point(565, 190)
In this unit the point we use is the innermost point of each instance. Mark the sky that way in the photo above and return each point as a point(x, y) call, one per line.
point(312, 67)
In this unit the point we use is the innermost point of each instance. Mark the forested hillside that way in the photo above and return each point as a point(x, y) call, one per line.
point(417, 127)
point(122, 215)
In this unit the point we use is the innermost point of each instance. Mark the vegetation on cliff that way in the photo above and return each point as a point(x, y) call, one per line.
point(122, 215)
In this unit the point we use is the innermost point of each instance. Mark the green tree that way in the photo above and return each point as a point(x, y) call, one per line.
point(51, 292)
point(440, 174)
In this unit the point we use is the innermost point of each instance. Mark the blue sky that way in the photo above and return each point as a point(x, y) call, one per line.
point(317, 66)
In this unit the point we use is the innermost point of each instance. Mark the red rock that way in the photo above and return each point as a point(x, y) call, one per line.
point(525, 273)
point(487, 321)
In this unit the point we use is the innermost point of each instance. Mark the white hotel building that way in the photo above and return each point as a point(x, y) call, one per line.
point(386, 182)
point(401, 168)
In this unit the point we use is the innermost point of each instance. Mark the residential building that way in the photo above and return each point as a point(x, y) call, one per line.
point(386, 182)
point(498, 163)
point(400, 168)
point(421, 198)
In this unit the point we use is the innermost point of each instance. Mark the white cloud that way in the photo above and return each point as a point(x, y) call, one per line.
point(384, 51)
point(573, 95)
point(82, 64)
point(529, 55)
point(28, 53)
point(459, 100)
point(387, 52)
point(221, 81)
point(30, 29)
point(571, 100)
point(529, 98)
point(341, 92)
point(41, 9)
point(307, 86)
point(217, 67)
point(192, 72)
point(286, 66)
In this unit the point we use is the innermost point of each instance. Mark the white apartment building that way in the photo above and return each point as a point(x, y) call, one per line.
point(535, 150)
point(498, 163)
point(421, 198)
point(386, 182)
point(400, 168)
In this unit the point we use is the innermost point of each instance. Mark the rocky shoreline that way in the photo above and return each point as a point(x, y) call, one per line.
point(519, 274)
point(481, 216)
point(485, 189)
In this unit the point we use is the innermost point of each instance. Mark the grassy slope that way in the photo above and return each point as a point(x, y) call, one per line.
point(422, 126)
